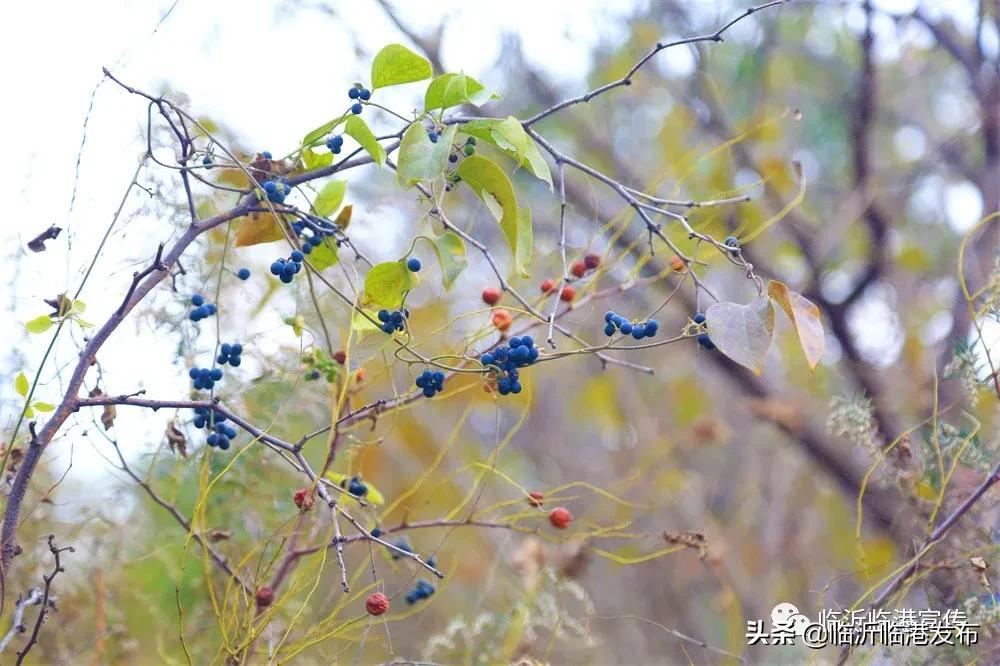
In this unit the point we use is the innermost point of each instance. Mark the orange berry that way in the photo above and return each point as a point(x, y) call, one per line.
point(535, 498)
point(560, 517)
point(568, 294)
point(377, 604)
point(303, 499)
point(360, 375)
point(547, 285)
point(677, 264)
point(491, 295)
point(592, 260)
point(502, 319)
point(578, 268)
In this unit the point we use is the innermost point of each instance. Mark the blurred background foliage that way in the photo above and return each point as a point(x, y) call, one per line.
point(899, 150)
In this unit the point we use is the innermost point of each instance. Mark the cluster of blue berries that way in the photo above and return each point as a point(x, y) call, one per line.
point(222, 433)
point(316, 237)
point(422, 590)
point(355, 486)
point(276, 190)
point(431, 382)
point(230, 353)
point(403, 544)
point(286, 269)
point(393, 321)
point(201, 309)
point(517, 353)
point(205, 378)
point(359, 93)
point(335, 142)
point(616, 322)
point(703, 338)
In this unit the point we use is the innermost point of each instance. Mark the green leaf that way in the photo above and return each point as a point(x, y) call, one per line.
point(363, 324)
point(452, 89)
point(359, 131)
point(450, 251)
point(77, 307)
point(420, 159)
point(330, 197)
point(39, 324)
point(318, 134)
point(805, 320)
point(508, 136)
point(21, 385)
point(314, 160)
point(323, 255)
point(387, 283)
point(492, 185)
point(396, 64)
point(373, 496)
point(742, 332)
point(43, 406)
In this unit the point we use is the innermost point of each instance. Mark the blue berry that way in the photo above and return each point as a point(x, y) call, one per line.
point(356, 108)
point(383, 315)
point(432, 135)
point(277, 266)
point(224, 443)
point(243, 274)
point(271, 187)
point(193, 373)
point(226, 349)
point(357, 488)
point(212, 439)
point(639, 331)
point(733, 242)
point(365, 94)
point(651, 326)
point(626, 327)
point(413, 264)
point(706, 341)
point(210, 309)
point(207, 161)
point(609, 330)
point(236, 349)
point(314, 240)
point(199, 422)
point(486, 359)
point(608, 316)
point(307, 248)
point(453, 158)
point(297, 256)
point(699, 318)
point(266, 154)
point(376, 532)
point(216, 374)
point(353, 93)
point(197, 300)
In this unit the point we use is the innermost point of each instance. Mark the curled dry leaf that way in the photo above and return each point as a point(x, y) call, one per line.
point(694, 540)
point(176, 439)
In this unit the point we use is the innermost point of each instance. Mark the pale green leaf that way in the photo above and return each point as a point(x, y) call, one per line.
point(450, 251)
point(358, 129)
point(43, 406)
point(314, 160)
point(39, 324)
point(421, 159)
point(387, 283)
point(453, 89)
point(508, 136)
point(21, 385)
point(396, 64)
point(742, 332)
point(323, 255)
point(330, 197)
point(491, 184)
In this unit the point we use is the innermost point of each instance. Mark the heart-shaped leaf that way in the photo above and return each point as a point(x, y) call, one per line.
point(387, 283)
point(805, 320)
point(450, 251)
point(396, 64)
point(742, 332)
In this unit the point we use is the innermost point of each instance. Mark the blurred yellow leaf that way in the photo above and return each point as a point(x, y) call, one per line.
point(258, 228)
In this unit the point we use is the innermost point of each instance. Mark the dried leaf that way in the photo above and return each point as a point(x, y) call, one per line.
point(805, 319)
point(694, 540)
point(216, 535)
point(176, 439)
point(108, 416)
point(743, 332)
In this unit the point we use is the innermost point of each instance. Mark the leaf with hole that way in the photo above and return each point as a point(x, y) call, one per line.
point(742, 332)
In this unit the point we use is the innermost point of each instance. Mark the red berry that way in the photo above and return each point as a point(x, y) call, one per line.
point(265, 597)
point(592, 260)
point(491, 295)
point(535, 498)
point(568, 294)
point(560, 517)
point(547, 285)
point(303, 499)
point(340, 357)
point(502, 319)
point(578, 268)
point(377, 604)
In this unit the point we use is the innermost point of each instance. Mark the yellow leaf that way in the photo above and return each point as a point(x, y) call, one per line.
point(258, 228)
point(805, 320)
